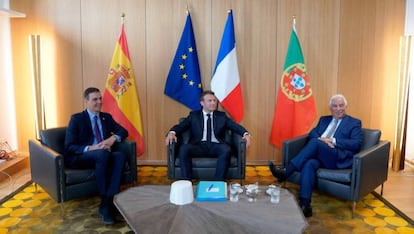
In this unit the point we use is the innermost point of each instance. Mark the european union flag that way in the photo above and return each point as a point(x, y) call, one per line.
point(183, 81)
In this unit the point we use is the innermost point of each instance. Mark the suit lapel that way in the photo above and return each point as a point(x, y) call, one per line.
point(201, 121)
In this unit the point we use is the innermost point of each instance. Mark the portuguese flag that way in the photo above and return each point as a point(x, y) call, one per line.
point(295, 109)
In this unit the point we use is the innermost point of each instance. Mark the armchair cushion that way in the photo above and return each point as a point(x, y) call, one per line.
point(340, 175)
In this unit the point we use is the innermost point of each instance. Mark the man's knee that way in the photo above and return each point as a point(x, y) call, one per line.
point(102, 155)
point(311, 164)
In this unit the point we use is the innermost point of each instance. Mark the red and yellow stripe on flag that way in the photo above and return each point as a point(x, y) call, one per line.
point(120, 97)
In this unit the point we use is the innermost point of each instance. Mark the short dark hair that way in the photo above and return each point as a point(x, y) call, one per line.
point(204, 93)
point(90, 90)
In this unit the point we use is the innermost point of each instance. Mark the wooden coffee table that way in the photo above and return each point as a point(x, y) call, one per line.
point(147, 209)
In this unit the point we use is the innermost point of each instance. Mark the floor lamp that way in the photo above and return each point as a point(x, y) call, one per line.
point(406, 49)
point(40, 120)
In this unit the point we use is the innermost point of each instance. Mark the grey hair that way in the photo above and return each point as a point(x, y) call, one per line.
point(338, 96)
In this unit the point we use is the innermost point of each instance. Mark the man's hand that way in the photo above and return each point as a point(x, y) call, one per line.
point(98, 146)
point(171, 137)
point(328, 141)
point(248, 139)
point(106, 144)
point(110, 141)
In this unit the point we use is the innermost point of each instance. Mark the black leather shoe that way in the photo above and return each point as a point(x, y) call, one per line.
point(307, 211)
point(106, 215)
point(278, 172)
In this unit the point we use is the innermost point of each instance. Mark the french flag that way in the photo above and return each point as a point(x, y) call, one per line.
point(226, 81)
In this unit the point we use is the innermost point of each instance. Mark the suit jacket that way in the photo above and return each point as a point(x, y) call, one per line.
point(79, 133)
point(195, 122)
point(348, 137)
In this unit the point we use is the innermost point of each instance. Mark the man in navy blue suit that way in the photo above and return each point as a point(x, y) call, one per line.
point(89, 138)
point(205, 141)
point(332, 144)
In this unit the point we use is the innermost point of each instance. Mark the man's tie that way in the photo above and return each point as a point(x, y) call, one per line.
point(332, 130)
point(96, 129)
point(208, 128)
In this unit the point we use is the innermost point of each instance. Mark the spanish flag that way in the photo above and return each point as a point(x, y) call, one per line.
point(120, 97)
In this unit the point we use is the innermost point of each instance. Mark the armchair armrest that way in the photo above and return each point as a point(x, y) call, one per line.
point(128, 148)
point(46, 168)
point(370, 169)
point(171, 158)
point(240, 147)
point(292, 147)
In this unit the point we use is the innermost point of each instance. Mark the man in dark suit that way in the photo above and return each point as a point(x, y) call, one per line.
point(332, 144)
point(89, 138)
point(205, 141)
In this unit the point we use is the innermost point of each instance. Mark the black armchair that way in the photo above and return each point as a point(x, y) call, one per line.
point(205, 167)
point(369, 169)
point(62, 184)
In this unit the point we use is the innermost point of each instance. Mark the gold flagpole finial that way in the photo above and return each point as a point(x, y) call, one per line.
point(187, 9)
point(122, 17)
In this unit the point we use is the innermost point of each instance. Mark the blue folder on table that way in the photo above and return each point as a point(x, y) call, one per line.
point(211, 191)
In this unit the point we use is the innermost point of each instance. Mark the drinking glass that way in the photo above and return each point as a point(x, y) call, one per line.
point(234, 192)
point(274, 193)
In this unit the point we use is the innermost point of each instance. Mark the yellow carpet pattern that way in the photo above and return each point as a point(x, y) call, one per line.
point(33, 211)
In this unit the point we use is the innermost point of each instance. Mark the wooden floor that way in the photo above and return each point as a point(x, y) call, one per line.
point(399, 190)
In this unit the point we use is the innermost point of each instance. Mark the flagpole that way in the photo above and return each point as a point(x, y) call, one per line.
point(187, 10)
point(294, 22)
point(122, 18)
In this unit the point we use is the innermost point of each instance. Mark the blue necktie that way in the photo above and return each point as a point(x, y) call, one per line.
point(96, 129)
point(208, 128)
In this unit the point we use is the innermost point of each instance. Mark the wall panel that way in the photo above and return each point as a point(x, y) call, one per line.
point(60, 60)
point(368, 60)
point(349, 46)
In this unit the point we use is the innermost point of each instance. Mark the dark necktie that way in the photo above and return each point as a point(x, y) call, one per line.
point(332, 130)
point(96, 129)
point(208, 128)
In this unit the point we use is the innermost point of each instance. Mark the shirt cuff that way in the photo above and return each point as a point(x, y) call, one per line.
point(118, 138)
point(247, 134)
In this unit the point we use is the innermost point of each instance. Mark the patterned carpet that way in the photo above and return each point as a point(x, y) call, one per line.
point(31, 211)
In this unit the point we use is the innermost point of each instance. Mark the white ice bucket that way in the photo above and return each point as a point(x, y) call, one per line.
point(181, 192)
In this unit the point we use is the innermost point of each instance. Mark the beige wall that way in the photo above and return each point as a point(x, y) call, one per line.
point(349, 46)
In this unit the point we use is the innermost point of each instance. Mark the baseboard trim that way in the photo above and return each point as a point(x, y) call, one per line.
point(395, 209)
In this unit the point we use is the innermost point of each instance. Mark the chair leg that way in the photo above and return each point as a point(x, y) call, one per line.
point(353, 208)
point(62, 210)
point(382, 188)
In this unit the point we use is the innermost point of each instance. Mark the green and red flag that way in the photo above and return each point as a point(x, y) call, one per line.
point(295, 109)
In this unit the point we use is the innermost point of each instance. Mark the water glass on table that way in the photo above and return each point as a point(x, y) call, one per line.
point(252, 191)
point(274, 193)
point(234, 191)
